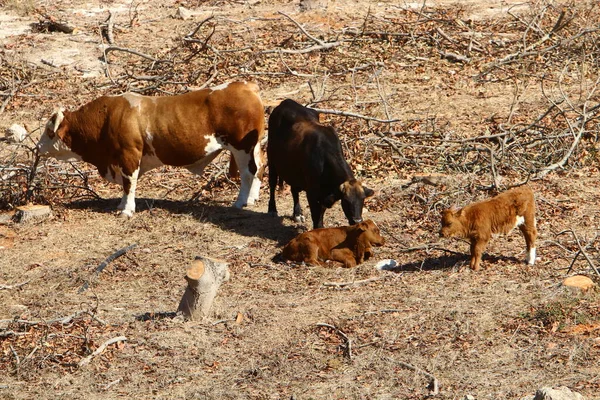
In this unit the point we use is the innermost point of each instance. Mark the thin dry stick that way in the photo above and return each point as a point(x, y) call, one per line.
point(320, 45)
point(15, 286)
point(135, 52)
point(348, 342)
point(104, 264)
point(100, 349)
point(343, 284)
point(351, 114)
point(581, 251)
point(433, 382)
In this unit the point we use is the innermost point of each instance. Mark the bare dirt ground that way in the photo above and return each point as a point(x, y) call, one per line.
point(499, 333)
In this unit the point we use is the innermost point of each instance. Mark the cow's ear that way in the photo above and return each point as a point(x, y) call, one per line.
point(368, 192)
point(329, 201)
point(345, 188)
point(54, 122)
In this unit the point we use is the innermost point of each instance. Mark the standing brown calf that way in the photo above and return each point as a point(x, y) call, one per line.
point(499, 215)
point(350, 245)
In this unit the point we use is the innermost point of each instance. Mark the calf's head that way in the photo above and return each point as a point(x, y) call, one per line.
point(54, 141)
point(452, 223)
point(353, 195)
point(370, 231)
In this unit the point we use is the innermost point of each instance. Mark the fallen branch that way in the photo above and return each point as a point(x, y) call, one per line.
point(434, 385)
point(104, 264)
point(348, 342)
point(343, 284)
point(100, 349)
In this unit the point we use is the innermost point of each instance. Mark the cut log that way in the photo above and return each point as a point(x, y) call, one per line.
point(32, 212)
point(204, 277)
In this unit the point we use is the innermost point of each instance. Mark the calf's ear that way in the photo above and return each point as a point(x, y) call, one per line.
point(368, 192)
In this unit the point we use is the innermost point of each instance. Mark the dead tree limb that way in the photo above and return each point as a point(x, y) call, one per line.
point(104, 264)
point(100, 349)
point(346, 339)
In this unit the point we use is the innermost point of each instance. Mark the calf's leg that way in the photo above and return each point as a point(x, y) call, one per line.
point(477, 248)
point(530, 233)
point(345, 256)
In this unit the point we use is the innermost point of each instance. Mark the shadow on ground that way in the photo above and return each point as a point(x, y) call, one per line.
point(246, 222)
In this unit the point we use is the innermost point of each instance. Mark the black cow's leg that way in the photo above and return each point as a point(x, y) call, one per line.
point(272, 184)
point(317, 210)
point(298, 216)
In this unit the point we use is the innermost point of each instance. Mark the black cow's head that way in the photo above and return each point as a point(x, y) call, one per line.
point(353, 195)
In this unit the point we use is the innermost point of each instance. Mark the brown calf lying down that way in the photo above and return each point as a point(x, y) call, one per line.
point(350, 245)
point(499, 215)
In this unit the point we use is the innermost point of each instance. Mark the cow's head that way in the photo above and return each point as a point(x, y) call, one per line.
point(371, 232)
point(353, 195)
point(53, 142)
point(452, 224)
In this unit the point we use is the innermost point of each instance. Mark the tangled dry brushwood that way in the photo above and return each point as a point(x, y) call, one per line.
point(555, 48)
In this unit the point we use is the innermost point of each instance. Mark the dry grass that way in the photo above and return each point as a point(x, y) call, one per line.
point(500, 333)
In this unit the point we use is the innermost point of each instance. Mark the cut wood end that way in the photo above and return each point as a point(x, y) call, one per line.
point(31, 212)
point(195, 270)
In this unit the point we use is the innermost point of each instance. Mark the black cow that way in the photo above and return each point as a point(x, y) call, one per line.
point(308, 156)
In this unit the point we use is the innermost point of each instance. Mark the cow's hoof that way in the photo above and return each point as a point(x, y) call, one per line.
point(239, 205)
point(299, 219)
point(126, 214)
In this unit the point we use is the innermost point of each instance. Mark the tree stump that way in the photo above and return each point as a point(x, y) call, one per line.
point(31, 212)
point(204, 277)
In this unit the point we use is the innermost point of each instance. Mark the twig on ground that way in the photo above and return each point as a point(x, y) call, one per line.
point(135, 52)
point(104, 264)
point(100, 349)
point(15, 286)
point(320, 45)
point(581, 251)
point(434, 385)
point(343, 284)
point(351, 114)
point(348, 342)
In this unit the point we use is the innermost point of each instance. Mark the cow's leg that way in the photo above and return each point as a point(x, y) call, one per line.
point(273, 178)
point(530, 233)
point(298, 216)
point(317, 210)
point(477, 248)
point(249, 182)
point(127, 205)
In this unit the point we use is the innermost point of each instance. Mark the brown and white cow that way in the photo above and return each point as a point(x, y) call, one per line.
point(308, 156)
point(126, 135)
point(350, 245)
point(498, 215)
